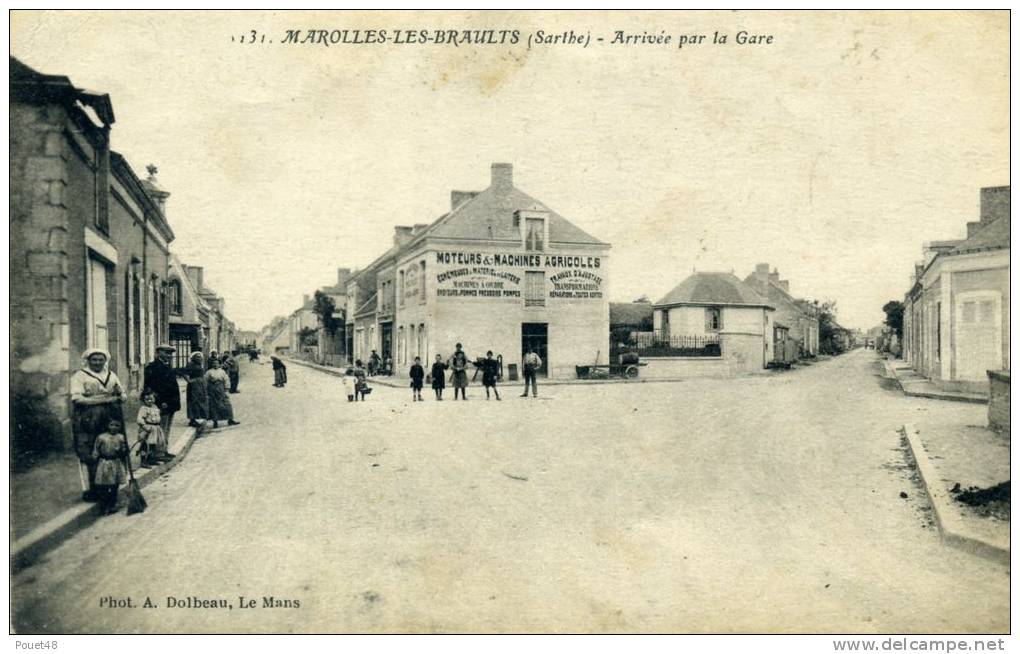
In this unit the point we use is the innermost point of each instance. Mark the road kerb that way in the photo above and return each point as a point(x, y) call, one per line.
point(49, 535)
point(953, 531)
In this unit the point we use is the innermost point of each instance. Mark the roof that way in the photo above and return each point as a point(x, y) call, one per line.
point(489, 215)
point(629, 313)
point(368, 306)
point(993, 236)
point(29, 84)
point(713, 288)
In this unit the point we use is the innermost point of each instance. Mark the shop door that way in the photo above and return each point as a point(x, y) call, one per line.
point(978, 336)
point(535, 335)
point(386, 341)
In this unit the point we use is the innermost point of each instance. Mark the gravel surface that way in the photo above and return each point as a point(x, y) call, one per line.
point(767, 504)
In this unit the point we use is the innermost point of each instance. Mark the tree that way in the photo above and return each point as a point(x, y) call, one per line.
point(894, 317)
point(325, 307)
point(308, 336)
point(828, 328)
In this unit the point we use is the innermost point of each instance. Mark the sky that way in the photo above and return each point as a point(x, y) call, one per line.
point(832, 153)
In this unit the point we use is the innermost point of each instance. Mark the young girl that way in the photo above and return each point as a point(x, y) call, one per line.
point(417, 374)
point(350, 384)
point(490, 372)
point(360, 381)
point(439, 377)
point(153, 448)
point(109, 453)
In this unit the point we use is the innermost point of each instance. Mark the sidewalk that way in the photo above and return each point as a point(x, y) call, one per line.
point(948, 454)
point(915, 385)
point(45, 501)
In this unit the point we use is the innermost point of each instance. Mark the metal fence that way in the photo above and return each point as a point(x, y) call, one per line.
point(662, 343)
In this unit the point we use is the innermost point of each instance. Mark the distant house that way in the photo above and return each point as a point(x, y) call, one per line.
point(956, 313)
point(799, 323)
point(711, 316)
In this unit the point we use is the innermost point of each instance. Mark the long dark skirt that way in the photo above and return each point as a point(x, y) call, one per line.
point(90, 421)
point(219, 402)
point(280, 376)
point(198, 399)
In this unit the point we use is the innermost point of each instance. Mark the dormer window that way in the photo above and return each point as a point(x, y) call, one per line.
point(534, 234)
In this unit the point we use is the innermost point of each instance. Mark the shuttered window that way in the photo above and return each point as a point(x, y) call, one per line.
point(534, 289)
point(98, 329)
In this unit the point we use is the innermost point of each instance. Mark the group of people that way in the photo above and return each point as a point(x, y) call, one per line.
point(491, 373)
point(97, 399)
point(209, 386)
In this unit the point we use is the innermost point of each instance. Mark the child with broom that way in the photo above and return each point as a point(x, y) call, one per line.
point(109, 453)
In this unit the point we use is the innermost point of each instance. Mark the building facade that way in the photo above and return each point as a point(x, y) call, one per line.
point(798, 324)
point(956, 314)
point(499, 271)
point(711, 324)
point(89, 253)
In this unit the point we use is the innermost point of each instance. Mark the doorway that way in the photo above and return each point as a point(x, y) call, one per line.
point(535, 335)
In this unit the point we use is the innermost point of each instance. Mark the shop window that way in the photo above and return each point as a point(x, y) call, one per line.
point(534, 289)
point(534, 236)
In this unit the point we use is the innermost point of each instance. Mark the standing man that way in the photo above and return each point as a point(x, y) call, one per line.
point(458, 364)
point(161, 379)
point(233, 371)
point(532, 362)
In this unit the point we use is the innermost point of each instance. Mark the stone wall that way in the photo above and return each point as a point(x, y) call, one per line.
point(39, 311)
point(998, 404)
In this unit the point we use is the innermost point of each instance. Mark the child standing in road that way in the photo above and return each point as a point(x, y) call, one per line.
point(417, 374)
point(439, 377)
point(490, 372)
point(109, 453)
point(350, 384)
point(153, 446)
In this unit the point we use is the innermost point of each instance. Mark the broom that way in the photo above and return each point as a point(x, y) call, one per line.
point(135, 502)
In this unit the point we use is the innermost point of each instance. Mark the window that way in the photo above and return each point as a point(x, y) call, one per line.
point(421, 343)
point(175, 297)
point(421, 282)
point(534, 236)
point(401, 288)
point(534, 289)
point(411, 351)
point(136, 317)
point(938, 331)
point(98, 329)
point(713, 319)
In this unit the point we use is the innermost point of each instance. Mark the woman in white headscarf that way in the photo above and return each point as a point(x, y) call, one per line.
point(96, 397)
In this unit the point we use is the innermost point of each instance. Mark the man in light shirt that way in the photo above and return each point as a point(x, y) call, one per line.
point(532, 362)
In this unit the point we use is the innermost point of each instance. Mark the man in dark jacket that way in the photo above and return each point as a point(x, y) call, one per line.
point(161, 379)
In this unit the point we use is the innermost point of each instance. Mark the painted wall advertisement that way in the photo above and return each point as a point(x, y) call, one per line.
point(511, 276)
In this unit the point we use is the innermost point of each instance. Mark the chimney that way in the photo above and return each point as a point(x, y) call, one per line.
point(994, 204)
point(305, 301)
point(972, 228)
point(774, 277)
point(419, 228)
point(343, 275)
point(785, 285)
point(402, 235)
point(458, 198)
point(761, 269)
point(195, 275)
point(502, 176)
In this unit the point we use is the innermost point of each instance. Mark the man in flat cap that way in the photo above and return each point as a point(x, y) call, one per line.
point(161, 379)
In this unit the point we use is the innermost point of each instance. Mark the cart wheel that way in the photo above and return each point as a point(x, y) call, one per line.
point(631, 371)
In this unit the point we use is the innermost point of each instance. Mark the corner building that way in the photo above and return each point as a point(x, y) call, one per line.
point(503, 272)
